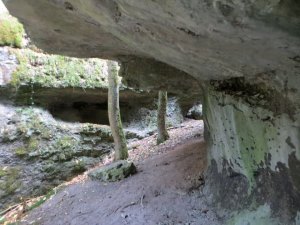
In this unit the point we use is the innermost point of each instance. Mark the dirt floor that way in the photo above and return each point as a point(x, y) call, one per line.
point(165, 191)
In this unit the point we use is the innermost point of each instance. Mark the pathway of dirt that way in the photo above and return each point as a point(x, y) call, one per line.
point(165, 191)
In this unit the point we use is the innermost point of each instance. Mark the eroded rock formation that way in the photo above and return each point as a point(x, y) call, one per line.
point(39, 151)
point(252, 121)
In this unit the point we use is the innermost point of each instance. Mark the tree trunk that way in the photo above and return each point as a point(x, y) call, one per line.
point(114, 116)
point(162, 133)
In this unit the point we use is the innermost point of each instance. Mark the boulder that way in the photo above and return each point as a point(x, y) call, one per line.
point(114, 171)
point(195, 112)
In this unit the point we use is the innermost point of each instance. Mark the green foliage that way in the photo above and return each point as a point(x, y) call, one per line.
point(57, 71)
point(11, 32)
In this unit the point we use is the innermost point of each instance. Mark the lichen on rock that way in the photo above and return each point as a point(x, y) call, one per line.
point(253, 153)
point(38, 149)
point(113, 172)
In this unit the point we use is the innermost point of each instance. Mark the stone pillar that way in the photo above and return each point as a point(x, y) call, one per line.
point(254, 167)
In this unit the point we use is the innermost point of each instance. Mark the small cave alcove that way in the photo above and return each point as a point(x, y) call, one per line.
point(82, 112)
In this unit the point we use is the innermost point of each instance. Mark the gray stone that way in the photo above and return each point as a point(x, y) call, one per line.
point(250, 85)
point(195, 112)
point(210, 39)
point(8, 64)
point(114, 171)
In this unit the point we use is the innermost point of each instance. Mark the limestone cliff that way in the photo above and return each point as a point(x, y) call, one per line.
point(252, 121)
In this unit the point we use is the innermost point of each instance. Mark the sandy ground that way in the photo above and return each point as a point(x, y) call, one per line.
point(165, 191)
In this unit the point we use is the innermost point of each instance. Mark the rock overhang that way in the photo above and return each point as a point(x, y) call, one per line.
point(206, 39)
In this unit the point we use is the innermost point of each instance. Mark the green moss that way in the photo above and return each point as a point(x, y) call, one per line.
point(113, 172)
point(65, 142)
point(31, 124)
point(96, 130)
point(33, 144)
point(11, 32)
point(62, 149)
point(247, 138)
point(46, 134)
point(58, 71)
point(30, 145)
point(251, 142)
point(21, 152)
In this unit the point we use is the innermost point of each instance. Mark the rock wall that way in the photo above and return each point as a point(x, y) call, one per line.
point(8, 64)
point(72, 89)
point(38, 152)
point(254, 155)
point(143, 120)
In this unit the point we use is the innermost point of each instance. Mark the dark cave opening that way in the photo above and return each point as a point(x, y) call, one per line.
point(82, 112)
point(97, 112)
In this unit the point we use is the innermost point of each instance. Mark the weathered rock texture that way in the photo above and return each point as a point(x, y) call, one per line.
point(252, 122)
point(113, 172)
point(194, 36)
point(75, 90)
point(8, 64)
point(38, 152)
point(254, 153)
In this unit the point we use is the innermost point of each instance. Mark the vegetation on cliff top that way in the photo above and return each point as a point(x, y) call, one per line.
point(58, 71)
point(49, 70)
point(11, 31)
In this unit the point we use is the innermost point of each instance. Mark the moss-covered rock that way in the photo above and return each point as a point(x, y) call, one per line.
point(253, 153)
point(114, 171)
point(39, 152)
point(58, 71)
